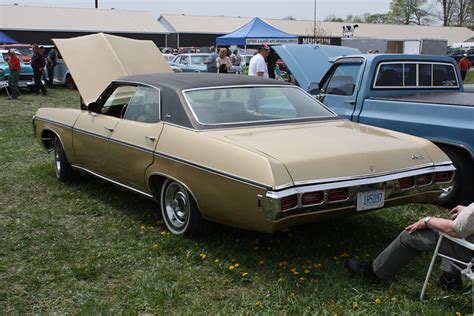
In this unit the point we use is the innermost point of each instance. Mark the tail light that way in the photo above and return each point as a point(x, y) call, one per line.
point(407, 183)
point(312, 198)
point(288, 202)
point(441, 177)
point(338, 195)
point(423, 179)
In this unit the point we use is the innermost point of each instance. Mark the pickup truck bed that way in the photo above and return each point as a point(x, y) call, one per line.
point(451, 98)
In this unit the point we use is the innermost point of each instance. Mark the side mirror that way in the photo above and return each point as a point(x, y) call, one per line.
point(92, 107)
point(313, 88)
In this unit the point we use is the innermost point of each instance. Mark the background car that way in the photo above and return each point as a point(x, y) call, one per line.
point(26, 72)
point(24, 49)
point(191, 62)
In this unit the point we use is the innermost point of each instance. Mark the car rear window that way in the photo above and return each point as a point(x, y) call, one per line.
point(217, 106)
point(402, 75)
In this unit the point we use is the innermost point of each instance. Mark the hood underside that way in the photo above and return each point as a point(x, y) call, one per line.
point(96, 60)
point(335, 149)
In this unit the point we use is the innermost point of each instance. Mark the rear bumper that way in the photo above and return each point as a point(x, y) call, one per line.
point(390, 183)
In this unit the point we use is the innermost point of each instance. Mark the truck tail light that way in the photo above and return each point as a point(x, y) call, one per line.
point(288, 202)
point(423, 179)
point(338, 195)
point(312, 198)
point(441, 177)
point(407, 183)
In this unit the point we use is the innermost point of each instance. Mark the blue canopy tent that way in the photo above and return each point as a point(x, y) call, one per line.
point(5, 39)
point(256, 32)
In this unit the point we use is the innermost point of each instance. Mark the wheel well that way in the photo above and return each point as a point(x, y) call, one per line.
point(156, 183)
point(47, 139)
point(460, 150)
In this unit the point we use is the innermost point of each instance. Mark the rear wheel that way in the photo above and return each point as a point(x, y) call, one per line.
point(64, 171)
point(179, 210)
point(462, 190)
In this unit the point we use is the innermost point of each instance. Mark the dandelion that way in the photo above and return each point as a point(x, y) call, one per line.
point(301, 279)
point(458, 314)
point(317, 265)
point(245, 274)
point(344, 255)
point(306, 271)
point(261, 262)
point(355, 306)
point(155, 246)
point(216, 261)
point(203, 256)
point(163, 233)
point(142, 227)
point(258, 303)
point(335, 258)
point(378, 301)
point(231, 267)
point(237, 265)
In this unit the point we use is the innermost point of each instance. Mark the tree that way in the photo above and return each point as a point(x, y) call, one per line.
point(377, 18)
point(447, 11)
point(289, 17)
point(464, 13)
point(333, 18)
point(408, 12)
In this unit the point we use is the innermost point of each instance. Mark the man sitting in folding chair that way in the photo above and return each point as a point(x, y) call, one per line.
point(423, 236)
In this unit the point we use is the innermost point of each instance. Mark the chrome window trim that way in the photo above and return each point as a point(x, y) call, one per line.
point(417, 63)
point(356, 182)
point(113, 181)
point(39, 118)
point(289, 120)
point(139, 83)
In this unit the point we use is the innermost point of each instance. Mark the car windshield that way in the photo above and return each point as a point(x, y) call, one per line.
point(199, 59)
point(217, 106)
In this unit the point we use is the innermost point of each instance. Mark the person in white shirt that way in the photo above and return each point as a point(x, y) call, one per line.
point(258, 67)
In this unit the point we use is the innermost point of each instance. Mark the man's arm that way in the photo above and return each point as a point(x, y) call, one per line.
point(440, 224)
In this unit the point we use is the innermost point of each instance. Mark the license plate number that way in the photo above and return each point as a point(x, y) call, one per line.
point(370, 199)
point(23, 84)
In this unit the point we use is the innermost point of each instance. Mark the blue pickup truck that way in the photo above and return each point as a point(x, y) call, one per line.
point(414, 94)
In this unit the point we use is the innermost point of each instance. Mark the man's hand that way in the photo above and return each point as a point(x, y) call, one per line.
point(420, 225)
point(455, 211)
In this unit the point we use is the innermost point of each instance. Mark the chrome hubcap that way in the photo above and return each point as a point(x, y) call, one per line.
point(176, 205)
point(57, 162)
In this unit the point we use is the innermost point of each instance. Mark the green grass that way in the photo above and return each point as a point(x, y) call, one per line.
point(89, 247)
point(469, 77)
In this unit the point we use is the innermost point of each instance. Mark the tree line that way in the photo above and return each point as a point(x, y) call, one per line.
point(418, 12)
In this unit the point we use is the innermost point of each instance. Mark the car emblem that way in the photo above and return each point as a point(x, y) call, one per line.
point(372, 168)
point(417, 157)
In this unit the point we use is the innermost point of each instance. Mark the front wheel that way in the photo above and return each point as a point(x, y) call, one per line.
point(179, 210)
point(461, 191)
point(64, 171)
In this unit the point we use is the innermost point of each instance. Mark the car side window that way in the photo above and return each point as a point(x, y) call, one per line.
point(144, 106)
point(116, 103)
point(343, 80)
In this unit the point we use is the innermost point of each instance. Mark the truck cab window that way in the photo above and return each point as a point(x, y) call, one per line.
point(343, 80)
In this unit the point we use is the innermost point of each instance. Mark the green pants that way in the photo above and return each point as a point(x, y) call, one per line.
point(13, 83)
point(406, 246)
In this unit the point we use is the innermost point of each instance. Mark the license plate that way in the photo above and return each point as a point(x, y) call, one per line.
point(23, 84)
point(370, 199)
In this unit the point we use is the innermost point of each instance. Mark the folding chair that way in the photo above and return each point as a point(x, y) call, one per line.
point(467, 271)
point(4, 85)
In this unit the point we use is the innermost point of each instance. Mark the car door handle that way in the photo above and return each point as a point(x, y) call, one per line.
point(150, 138)
point(109, 129)
point(350, 102)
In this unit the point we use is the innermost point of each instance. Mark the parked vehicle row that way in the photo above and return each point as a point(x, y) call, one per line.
point(26, 72)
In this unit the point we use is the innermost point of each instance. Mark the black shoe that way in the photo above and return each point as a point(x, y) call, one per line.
point(364, 269)
point(451, 282)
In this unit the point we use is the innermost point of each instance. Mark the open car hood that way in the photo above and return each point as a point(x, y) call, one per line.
point(309, 63)
point(96, 60)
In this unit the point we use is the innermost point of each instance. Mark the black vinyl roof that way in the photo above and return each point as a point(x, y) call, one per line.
point(182, 81)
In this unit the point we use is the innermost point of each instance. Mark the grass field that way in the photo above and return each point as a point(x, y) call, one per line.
point(89, 247)
point(469, 77)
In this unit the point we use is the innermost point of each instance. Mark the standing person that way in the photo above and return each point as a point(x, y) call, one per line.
point(258, 66)
point(423, 236)
point(235, 58)
point(211, 61)
point(464, 65)
point(51, 61)
point(38, 63)
point(271, 62)
point(14, 66)
point(223, 62)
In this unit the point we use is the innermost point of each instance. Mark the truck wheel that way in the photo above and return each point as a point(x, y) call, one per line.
point(462, 189)
point(179, 210)
point(64, 171)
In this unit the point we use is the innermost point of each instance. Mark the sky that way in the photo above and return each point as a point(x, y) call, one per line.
point(299, 9)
